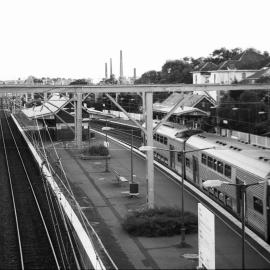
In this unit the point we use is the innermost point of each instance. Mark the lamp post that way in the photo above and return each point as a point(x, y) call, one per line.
point(106, 144)
point(131, 156)
point(243, 188)
point(182, 244)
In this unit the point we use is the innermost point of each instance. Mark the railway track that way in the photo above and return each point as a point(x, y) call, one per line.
point(122, 133)
point(30, 240)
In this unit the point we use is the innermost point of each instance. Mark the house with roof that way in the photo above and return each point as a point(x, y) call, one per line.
point(263, 72)
point(231, 71)
point(191, 109)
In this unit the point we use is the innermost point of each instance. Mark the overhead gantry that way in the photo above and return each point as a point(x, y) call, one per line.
point(146, 92)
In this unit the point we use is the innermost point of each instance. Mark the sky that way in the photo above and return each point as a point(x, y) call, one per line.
point(75, 38)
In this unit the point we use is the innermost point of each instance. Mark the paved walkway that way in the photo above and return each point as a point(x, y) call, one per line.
point(100, 196)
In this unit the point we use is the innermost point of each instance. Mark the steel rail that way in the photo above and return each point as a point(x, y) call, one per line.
point(13, 199)
point(35, 197)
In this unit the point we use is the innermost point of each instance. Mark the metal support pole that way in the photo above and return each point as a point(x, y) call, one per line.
point(149, 132)
point(107, 165)
point(45, 96)
point(79, 121)
point(243, 191)
point(183, 228)
point(106, 159)
point(89, 130)
point(131, 157)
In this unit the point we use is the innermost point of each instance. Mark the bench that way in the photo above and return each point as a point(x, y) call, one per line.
point(119, 178)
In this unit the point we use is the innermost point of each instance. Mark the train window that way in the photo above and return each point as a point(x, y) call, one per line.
point(179, 157)
point(228, 201)
point(220, 167)
point(158, 138)
point(210, 162)
point(161, 139)
point(188, 162)
point(258, 204)
point(165, 140)
point(228, 171)
point(214, 164)
point(155, 136)
point(203, 158)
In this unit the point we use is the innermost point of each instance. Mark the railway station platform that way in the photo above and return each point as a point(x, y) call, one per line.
point(105, 205)
point(103, 202)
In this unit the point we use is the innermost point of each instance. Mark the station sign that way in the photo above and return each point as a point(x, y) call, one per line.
point(206, 238)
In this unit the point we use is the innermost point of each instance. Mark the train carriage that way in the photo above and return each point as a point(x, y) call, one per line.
point(230, 161)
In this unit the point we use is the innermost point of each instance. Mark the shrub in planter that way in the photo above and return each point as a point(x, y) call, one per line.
point(158, 222)
point(96, 150)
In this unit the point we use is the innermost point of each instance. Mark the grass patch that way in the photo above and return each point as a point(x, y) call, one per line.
point(96, 150)
point(158, 222)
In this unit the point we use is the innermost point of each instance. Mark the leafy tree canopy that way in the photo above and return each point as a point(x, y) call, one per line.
point(177, 71)
point(149, 77)
point(79, 82)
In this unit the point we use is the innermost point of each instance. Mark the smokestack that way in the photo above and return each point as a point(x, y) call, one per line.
point(106, 71)
point(134, 74)
point(110, 67)
point(121, 67)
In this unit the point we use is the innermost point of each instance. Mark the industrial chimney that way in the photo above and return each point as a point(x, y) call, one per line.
point(134, 74)
point(106, 71)
point(121, 68)
point(110, 67)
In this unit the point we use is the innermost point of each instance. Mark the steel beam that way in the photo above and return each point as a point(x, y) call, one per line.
point(126, 113)
point(131, 88)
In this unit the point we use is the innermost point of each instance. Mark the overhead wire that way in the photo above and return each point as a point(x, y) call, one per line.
point(46, 159)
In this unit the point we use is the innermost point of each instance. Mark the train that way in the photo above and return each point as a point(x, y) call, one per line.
point(227, 159)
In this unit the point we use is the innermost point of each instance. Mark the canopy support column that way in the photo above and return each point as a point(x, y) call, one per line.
point(149, 139)
point(78, 122)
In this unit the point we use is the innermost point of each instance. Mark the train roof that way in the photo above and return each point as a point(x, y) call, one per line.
point(252, 158)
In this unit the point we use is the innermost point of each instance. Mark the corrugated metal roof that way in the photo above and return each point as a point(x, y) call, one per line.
point(53, 105)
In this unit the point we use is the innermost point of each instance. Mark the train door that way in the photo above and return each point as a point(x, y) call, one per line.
point(195, 167)
point(238, 196)
point(172, 157)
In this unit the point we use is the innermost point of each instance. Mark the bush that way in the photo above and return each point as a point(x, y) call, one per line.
point(159, 222)
point(96, 150)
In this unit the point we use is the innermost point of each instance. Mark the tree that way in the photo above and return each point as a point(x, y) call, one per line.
point(79, 82)
point(149, 77)
point(176, 71)
point(111, 80)
point(220, 55)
